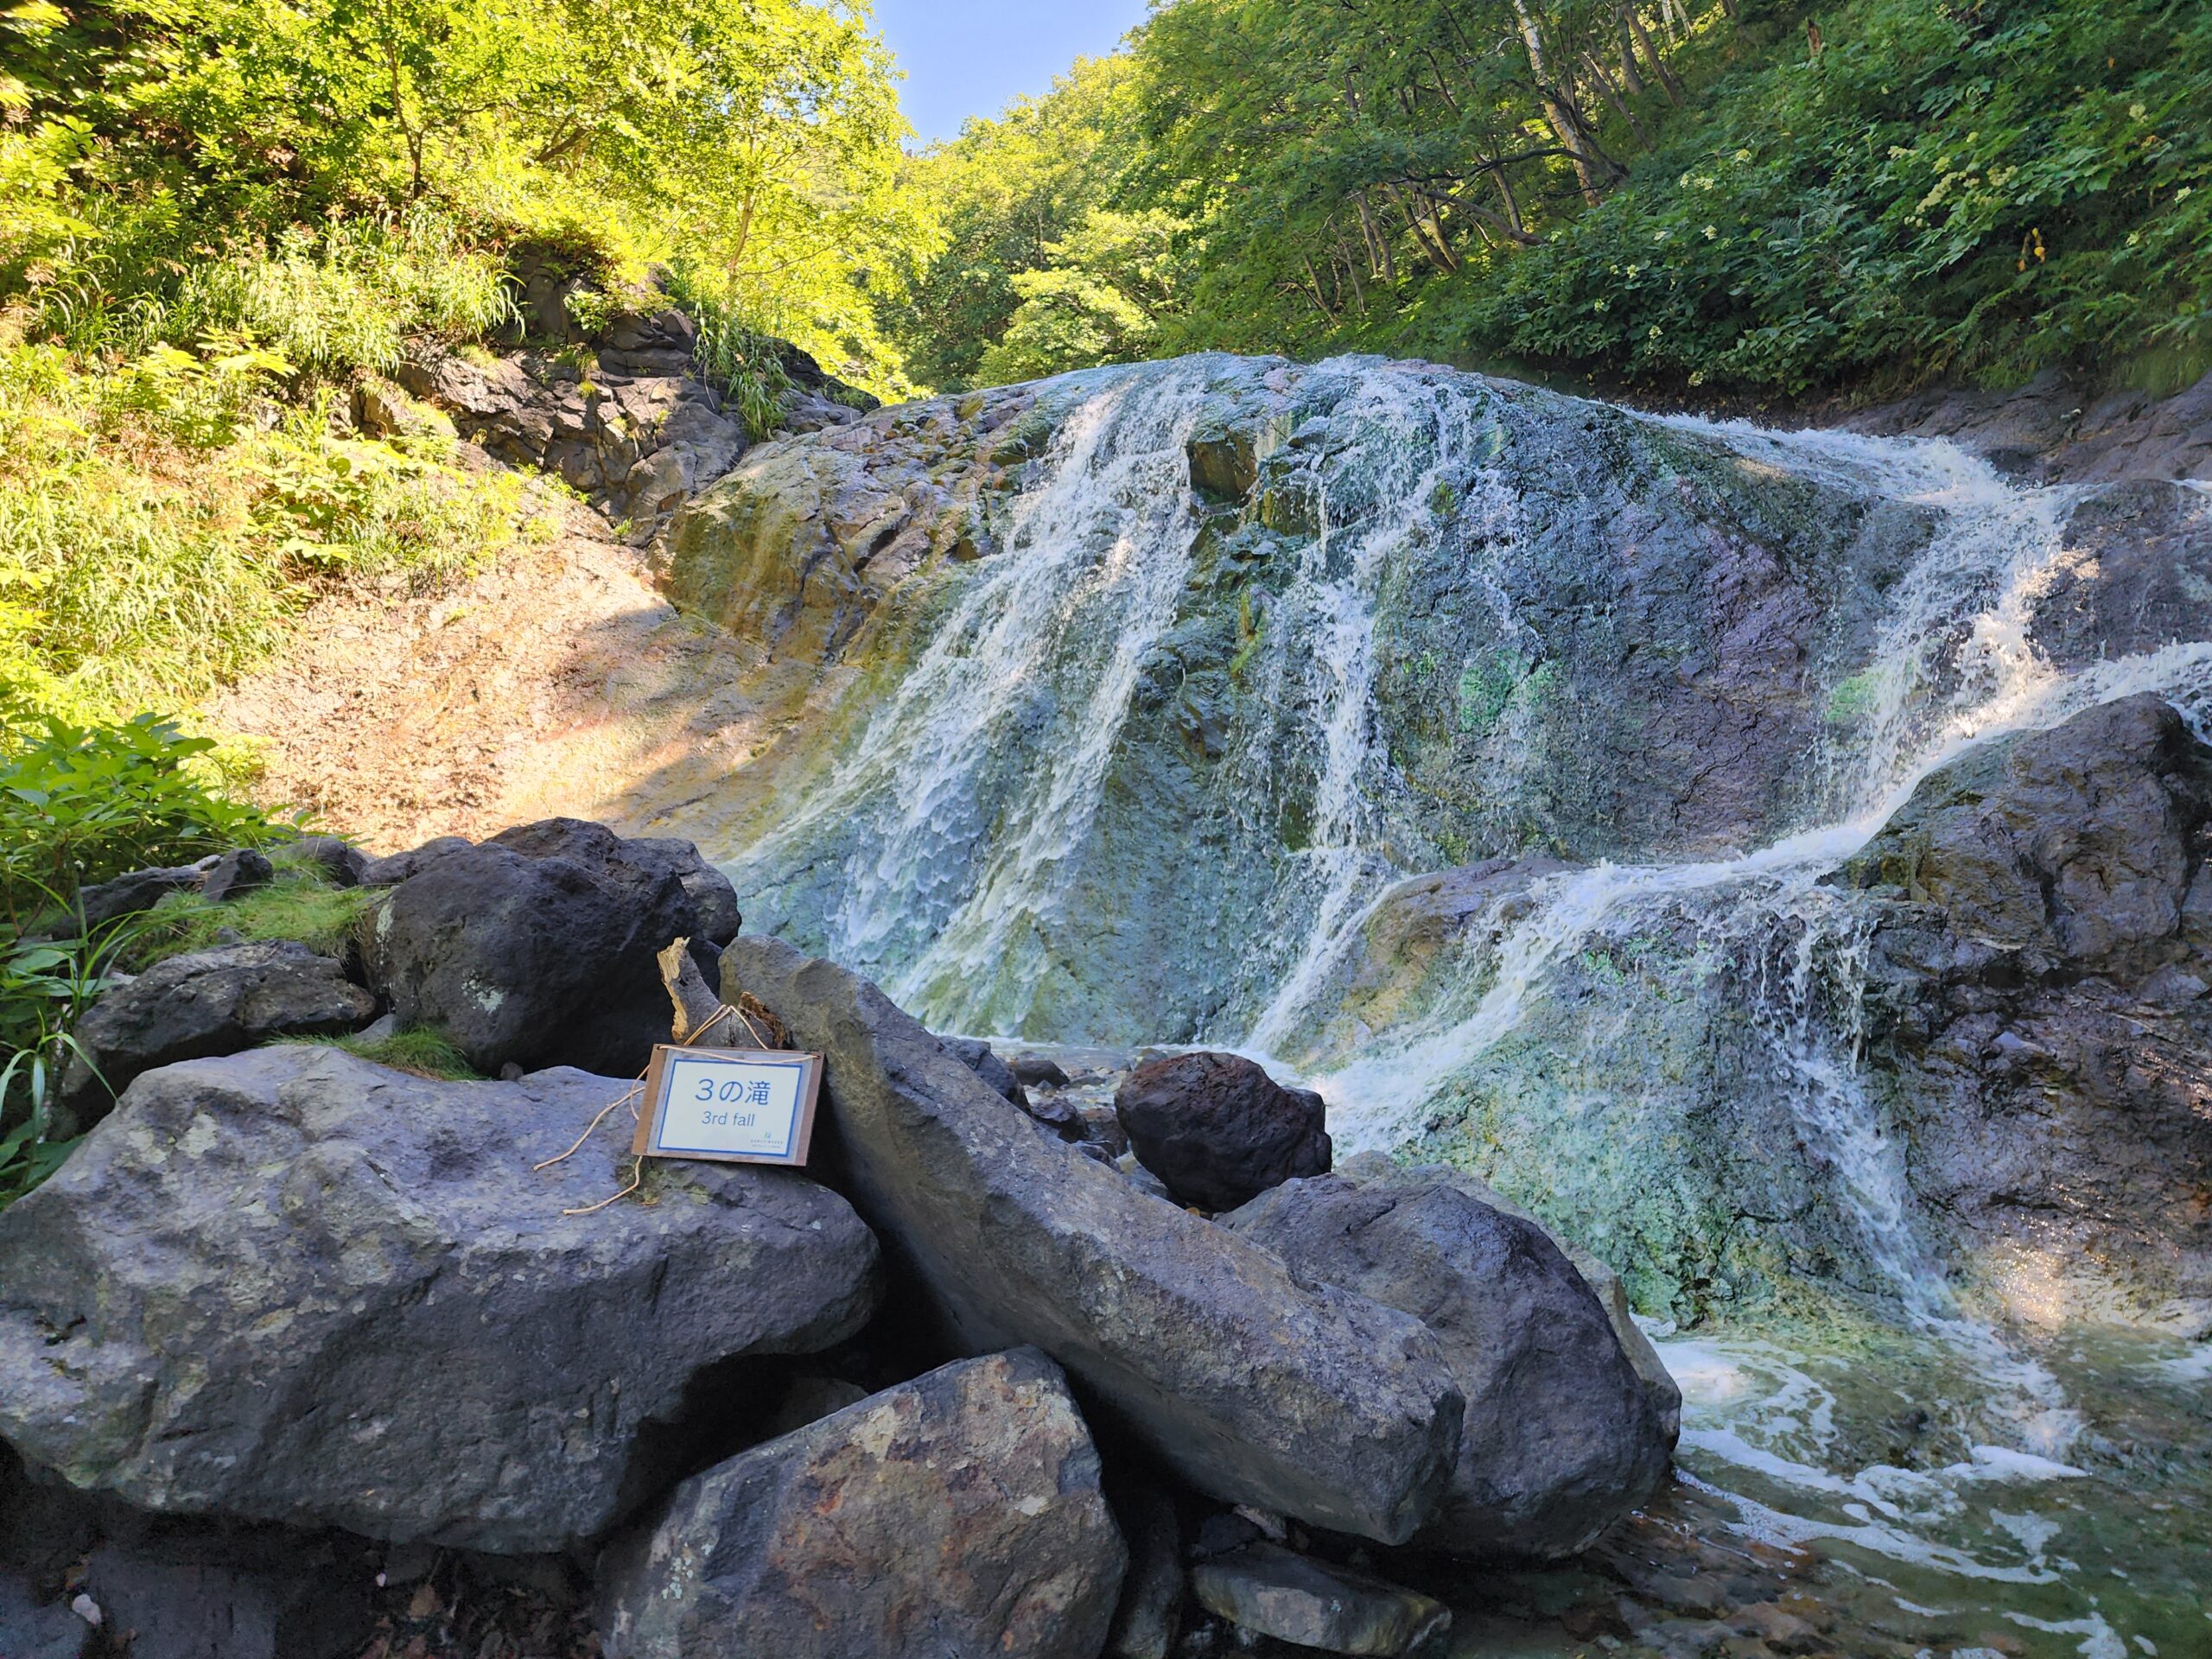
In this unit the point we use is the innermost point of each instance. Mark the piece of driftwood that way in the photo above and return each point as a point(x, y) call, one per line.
point(703, 1019)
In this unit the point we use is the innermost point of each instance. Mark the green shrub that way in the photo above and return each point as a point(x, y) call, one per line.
point(743, 364)
point(45, 986)
point(81, 804)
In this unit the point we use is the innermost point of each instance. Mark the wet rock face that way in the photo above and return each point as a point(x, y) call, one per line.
point(2041, 958)
point(958, 1514)
point(292, 1285)
point(1197, 1343)
point(1561, 1438)
point(537, 947)
point(1218, 1130)
point(1591, 632)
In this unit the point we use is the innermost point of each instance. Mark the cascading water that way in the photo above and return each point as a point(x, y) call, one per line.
point(1160, 766)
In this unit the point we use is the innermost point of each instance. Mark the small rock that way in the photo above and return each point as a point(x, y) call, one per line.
point(1038, 1070)
point(381, 1029)
point(1267, 1589)
point(126, 895)
point(206, 1003)
point(31, 1628)
point(193, 1598)
point(236, 873)
point(958, 1514)
point(1150, 1615)
point(1218, 1130)
point(976, 1054)
point(339, 860)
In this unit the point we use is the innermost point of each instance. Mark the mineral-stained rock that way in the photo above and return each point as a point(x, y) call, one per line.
point(537, 947)
point(1218, 1130)
point(1269, 1590)
point(293, 1286)
point(1562, 1439)
point(1312, 1403)
point(956, 1516)
point(206, 1003)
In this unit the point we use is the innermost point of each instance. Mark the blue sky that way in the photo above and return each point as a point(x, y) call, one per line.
point(970, 57)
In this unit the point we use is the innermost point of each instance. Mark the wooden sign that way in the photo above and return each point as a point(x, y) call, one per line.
point(730, 1105)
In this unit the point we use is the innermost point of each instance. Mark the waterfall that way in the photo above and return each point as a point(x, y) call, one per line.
point(1171, 735)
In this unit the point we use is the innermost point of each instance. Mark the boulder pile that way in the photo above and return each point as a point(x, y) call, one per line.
point(997, 1375)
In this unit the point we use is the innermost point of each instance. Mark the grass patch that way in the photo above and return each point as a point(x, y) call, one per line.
point(293, 906)
point(415, 1050)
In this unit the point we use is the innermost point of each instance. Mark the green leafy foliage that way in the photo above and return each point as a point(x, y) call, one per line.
point(46, 985)
point(1753, 194)
point(81, 804)
point(414, 1049)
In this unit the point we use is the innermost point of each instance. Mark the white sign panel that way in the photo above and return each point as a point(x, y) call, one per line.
point(740, 1105)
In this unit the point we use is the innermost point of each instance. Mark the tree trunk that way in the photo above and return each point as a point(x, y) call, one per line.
point(1563, 126)
point(1668, 83)
point(1631, 77)
point(1613, 97)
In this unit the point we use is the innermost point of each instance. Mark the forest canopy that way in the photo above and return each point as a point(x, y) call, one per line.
point(752, 145)
point(1733, 194)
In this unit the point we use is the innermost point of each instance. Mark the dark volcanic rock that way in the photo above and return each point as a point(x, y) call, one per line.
point(237, 872)
point(2041, 954)
point(390, 872)
point(537, 947)
point(126, 895)
point(598, 848)
point(292, 1285)
point(1218, 1130)
point(976, 1055)
point(1149, 1616)
point(190, 1599)
point(956, 1516)
point(339, 860)
point(1269, 1590)
point(1560, 1437)
point(206, 1003)
point(1312, 1403)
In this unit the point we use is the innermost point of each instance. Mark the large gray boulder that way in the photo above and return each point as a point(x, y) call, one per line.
point(537, 947)
point(1666, 1396)
point(2038, 1008)
point(206, 1003)
point(1303, 1401)
point(293, 1286)
point(1561, 1438)
point(956, 1517)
